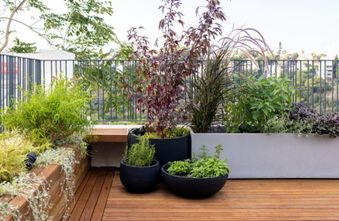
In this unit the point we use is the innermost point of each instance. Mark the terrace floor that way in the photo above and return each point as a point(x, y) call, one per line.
point(101, 196)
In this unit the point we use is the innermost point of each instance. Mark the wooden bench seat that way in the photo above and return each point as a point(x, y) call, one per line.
point(111, 133)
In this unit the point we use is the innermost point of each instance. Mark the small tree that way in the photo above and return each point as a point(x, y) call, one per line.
point(166, 69)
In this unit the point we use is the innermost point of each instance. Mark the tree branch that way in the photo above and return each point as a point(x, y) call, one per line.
point(10, 19)
point(28, 26)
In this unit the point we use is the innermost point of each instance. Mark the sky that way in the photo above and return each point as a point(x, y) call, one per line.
point(308, 25)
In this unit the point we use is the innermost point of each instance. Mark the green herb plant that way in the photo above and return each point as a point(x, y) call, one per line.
point(257, 101)
point(205, 166)
point(140, 154)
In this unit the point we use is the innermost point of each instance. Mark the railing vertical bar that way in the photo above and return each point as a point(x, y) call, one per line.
point(332, 86)
point(123, 90)
point(98, 94)
point(110, 89)
point(325, 89)
point(103, 66)
point(321, 89)
point(91, 89)
point(300, 81)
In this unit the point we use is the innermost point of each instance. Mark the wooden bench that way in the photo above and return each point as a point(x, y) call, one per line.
point(111, 133)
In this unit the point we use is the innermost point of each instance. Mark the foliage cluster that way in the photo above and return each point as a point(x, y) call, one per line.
point(203, 167)
point(208, 92)
point(65, 157)
point(33, 188)
point(79, 28)
point(178, 131)
point(13, 150)
point(301, 118)
point(140, 154)
point(52, 114)
point(36, 189)
point(166, 69)
point(256, 101)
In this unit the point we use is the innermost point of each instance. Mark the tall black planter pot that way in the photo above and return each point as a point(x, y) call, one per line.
point(169, 149)
point(139, 179)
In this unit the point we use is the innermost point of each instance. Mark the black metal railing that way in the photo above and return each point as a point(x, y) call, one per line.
point(113, 83)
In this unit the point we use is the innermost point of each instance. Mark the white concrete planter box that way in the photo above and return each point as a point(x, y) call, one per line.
point(275, 155)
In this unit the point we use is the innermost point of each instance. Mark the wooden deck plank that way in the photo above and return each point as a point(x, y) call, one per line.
point(102, 200)
point(79, 192)
point(81, 203)
point(93, 198)
point(238, 200)
point(257, 200)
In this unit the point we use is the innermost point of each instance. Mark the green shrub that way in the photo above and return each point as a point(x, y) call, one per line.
point(13, 150)
point(53, 114)
point(204, 167)
point(140, 154)
point(256, 101)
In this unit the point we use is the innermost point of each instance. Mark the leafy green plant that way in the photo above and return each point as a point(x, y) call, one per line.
point(256, 101)
point(209, 167)
point(13, 150)
point(51, 114)
point(140, 154)
point(204, 167)
point(180, 168)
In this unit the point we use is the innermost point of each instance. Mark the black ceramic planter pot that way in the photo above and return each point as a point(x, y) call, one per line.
point(139, 179)
point(190, 187)
point(167, 150)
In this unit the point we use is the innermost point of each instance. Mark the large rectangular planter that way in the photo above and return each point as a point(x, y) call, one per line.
point(275, 155)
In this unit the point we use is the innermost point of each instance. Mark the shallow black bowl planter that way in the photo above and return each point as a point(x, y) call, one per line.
point(139, 179)
point(190, 187)
point(166, 150)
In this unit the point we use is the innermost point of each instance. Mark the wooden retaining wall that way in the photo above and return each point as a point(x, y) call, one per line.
point(56, 177)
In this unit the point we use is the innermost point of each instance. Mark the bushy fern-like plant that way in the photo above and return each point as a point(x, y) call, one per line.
point(140, 154)
point(53, 113)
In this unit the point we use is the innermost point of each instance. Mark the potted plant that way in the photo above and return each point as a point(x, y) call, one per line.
point(197, 178)
point(138, 169)
point(165, 72)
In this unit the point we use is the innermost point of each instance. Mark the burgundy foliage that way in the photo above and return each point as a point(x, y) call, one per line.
point(166, 69)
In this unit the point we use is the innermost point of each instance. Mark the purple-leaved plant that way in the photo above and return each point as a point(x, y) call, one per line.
point(165, 70)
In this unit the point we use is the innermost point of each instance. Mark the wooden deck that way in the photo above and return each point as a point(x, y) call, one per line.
point(101, 196)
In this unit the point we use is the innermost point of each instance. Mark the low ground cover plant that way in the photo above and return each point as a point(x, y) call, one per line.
point(204, 166)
